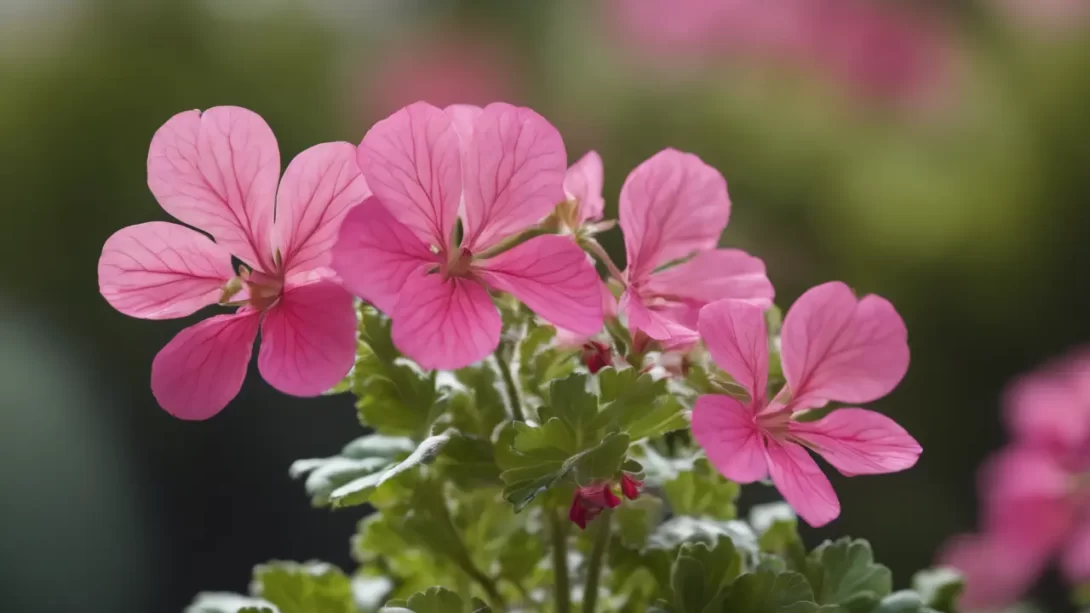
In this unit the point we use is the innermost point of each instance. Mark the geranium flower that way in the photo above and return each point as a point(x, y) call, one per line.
point(498, 170)
point(218, 171)
point(1035, 493)
point(589, 502)
point(834, 347)
point(672, 207)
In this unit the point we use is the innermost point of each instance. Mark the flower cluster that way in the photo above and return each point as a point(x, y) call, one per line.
point(1035, 493)
point(438, 213)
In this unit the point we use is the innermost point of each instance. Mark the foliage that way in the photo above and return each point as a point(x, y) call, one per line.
point(471, 473)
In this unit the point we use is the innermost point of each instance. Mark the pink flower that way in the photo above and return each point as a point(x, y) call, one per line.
point(441, 71)
point(630, 486)
point(1035, 493)
point(218, 171)
point(499, 170)
point(834, 348)
point(596, 356)
point(878, 50)
point(674, 207)
point(589, 502)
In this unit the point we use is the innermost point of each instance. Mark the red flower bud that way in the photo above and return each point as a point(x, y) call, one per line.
point(589, 502)
point(596, 356)
point(630, 487)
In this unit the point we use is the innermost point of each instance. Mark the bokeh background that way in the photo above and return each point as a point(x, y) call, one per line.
point(937, 153)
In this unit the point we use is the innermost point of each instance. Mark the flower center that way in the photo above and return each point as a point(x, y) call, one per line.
point(264, 289)
point(775, 422)
point(458, 265)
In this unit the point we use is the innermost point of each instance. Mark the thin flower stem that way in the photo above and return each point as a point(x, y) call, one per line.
point(594, 565)
point(512, 388)
point(512, 242)
point(597, 251)
point(559, 530)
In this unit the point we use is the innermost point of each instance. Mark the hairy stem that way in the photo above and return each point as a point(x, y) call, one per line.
point(559, 530)
point(594, 564)
point(512, 388)
point(597, 251)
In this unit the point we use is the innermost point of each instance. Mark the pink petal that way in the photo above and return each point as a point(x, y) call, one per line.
point(1048, 408)
point(671, 206)
point(737, 338)
point(802, 483)
point(995, 574)
point(445, 324)
point(657, 324)
point(715, 275)
point(375, 254)
point(835, 347)
point(412, 162)
point(308, 339)
point(318, 188)
point(554, 277)
point(218, 172)
point(160, 270)
point(728, 433)
point(1026, 500)
point(1075, 562)
point(463, 116)
point(583, 182)
point(202, 368)
point(570, 338)
point(859, 442)
point(514, 174)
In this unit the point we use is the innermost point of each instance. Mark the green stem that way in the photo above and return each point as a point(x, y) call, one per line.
point(559, 530)
point(594, 564)
point(512, 242)
point(512, 388)
point(597, 251)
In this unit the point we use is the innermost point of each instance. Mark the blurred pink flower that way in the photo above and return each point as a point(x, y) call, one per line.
point(834, 347)
point(1035, 494)
point(442, 72)
point(499, 170)
point(879, 50)
point(673, 209)
point(218, 171)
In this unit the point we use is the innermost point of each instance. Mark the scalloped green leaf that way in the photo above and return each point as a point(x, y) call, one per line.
point(227, 602)
point(844, 573)
point(359, 490)
point(313, 587)
point(702, 492)
point(767, 592)
point(367, 455)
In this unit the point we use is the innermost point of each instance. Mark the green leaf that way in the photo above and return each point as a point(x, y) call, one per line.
point(637, 404)
point(469, 462)
point(432, 600)
point(778, 528)
point(539, 361)
point(393, 396)
point(359, 490)
point(536, 458)
point(366, 455)
point(766, 592)
point(304, 588)
point(844, 573)
point(636, 520)
point(702, 491)
point(687, 583)
point(476, 403)
point(701, 572)
point(939, 588)
point(226, 602)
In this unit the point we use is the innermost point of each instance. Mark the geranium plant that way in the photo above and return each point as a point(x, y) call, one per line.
point(534, 437)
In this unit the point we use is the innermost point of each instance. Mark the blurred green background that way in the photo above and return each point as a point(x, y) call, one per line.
point(937, 153)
